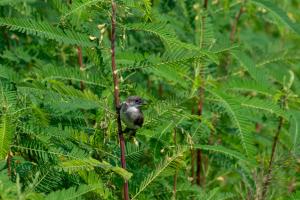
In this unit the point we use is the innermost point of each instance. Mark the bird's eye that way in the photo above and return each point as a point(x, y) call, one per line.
point(138, 101)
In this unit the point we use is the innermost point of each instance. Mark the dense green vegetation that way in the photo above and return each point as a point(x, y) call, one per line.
point(221, 76)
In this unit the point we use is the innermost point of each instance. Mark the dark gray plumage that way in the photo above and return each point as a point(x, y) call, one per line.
point(131, 113)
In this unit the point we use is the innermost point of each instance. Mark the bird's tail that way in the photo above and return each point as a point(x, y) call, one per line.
point(131, 132)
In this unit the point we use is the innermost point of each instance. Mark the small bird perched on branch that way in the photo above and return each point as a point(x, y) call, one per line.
point(131, 114)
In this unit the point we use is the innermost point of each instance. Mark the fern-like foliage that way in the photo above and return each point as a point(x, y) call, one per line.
point(169, 161)
point(79, 6)
point(160, 30)
point(279, 13)
point(213, 104)
point(46, 30)
point(72, 193)
point(6, 135)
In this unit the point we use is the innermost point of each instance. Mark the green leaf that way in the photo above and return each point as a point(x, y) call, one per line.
point(248, 85)
point(234, 110)
point(225, 151)
point(45, 30)
point(256, 73)
point(14, 2)
point(158, 171)
point(72, 193)
point(88, 164)
point(295, 131)
point(169, 38)
point(79, 6)
point(279, 13)
point(6, 135)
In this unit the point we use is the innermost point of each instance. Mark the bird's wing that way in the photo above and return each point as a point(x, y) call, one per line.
point(139, 120)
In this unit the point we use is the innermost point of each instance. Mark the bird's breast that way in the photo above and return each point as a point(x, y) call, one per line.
point(132, 117)
point(133, 110)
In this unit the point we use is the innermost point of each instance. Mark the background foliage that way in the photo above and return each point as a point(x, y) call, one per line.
point(222, 79)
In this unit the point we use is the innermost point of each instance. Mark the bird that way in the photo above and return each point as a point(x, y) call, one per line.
point(131, 114)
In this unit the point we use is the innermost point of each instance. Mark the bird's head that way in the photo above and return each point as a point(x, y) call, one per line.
point(135, 101)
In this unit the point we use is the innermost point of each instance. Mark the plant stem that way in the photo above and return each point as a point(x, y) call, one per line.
point(80, 62)
point(5, 35)
point(201, 99)
point(205, 4)
point(6, 38)
point(267, 180)
point(233, 33)
point(199, 152)
point(235, 23)
point(160, 90)
point(193, 158)
point(79, 58)
point(193, 165)
point(199, 164)
point(117, 95)
point(9, 158)
point(176, 170)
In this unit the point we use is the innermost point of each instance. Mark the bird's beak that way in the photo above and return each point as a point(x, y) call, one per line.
point(144, 102)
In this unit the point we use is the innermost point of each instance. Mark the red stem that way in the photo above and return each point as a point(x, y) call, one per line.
point(116, 94)
point(235, 23)
point(269, 172)
point(9, 158)
point(193, 165)
point(80, 57)
point(160, 90)
point(199, 161)
point(200, 105)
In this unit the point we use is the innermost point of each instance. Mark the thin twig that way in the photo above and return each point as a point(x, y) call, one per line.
point(235, 23)
point(201, 99)
point(80, 62)
point(5, 35)
point(116, 94)
point(8, 161)
point(79, 57)
point(233, 33)
point(268, 177)
point(176, 170)
point(199, 164)
point(205, 4)
point(6, 38)
point(160, 90)
point(199, 152)
point(193, 165)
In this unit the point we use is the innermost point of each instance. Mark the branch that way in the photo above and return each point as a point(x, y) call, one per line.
point(193, 165)
point(201, 99)
point(199, 152)
point(235, 23)
point(80, 62)
point(79, 57)
point(267, 180)
point(116, 94)
point(8, 162)
point(176, 171)
point(205, 4)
